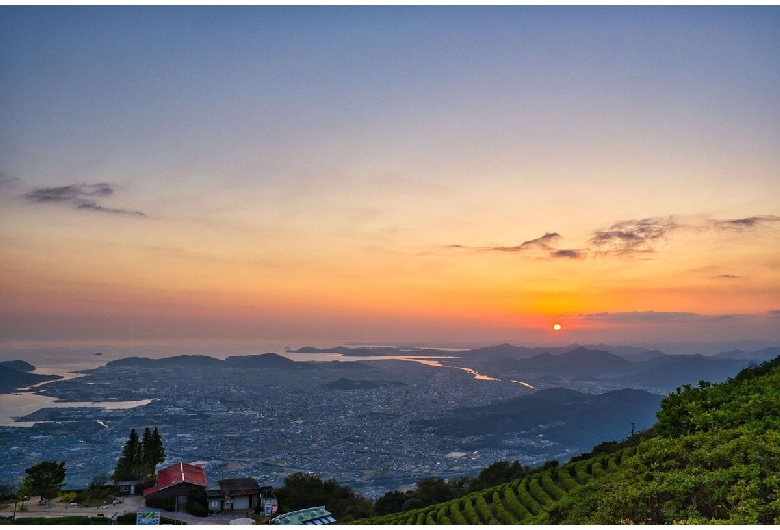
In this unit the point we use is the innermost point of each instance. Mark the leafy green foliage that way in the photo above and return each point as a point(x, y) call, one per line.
point(94, 495)
point(550, 487)
point(498, 473)
point(715, 458)
point(45, 479)
point(302, 490)
point(390, 502)
point(744, 400)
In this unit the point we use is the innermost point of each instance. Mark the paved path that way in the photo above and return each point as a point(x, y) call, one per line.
point(130, 504)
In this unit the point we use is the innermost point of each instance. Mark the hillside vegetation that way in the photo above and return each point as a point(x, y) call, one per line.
point(712, 457)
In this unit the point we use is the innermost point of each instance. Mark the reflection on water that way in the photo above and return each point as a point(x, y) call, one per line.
point(428, 361)
point(523, 383)
point(476, 374)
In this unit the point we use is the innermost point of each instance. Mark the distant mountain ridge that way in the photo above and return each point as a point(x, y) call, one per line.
point(765, 354)
point(664, 372)
point(265, 360)
point(506, 350)
point(629, 365)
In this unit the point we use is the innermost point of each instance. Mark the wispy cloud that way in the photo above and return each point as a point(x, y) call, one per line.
point(540, 243)
point(745, 223)
point(628, 237)
point(633, 236)
point(569, 253)
point(90, 205)
point(641, 316)
point(726, 277)
point(71, 193)
point(656, 317)
point(80, 196)
point(544, 244)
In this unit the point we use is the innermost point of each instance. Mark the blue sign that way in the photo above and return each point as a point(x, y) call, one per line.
point(147, 518)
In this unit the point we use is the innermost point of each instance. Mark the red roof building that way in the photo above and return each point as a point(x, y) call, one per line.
point(178, 479)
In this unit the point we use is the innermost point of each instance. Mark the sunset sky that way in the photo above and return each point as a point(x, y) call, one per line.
point(389, 174)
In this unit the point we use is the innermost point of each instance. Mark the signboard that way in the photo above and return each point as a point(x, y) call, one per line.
point(147, 518)
point(268, 509)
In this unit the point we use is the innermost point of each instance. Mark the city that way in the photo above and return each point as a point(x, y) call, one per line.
point(268, 423)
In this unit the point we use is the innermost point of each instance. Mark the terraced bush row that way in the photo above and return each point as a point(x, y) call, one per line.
point(514, 502)
point(549, 485)
point(504, 516)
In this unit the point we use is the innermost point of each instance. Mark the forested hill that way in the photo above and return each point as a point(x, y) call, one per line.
point(712, 457)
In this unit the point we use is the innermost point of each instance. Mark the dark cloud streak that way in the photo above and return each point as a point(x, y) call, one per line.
point(541, 243)
point(80, 196)
point(745, 223)
point(568, 253)
point(90, 205)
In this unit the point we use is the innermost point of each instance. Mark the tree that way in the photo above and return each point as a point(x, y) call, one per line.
point(45, 479)
point(140, 456)
point(129, 463)
point(499, 473)
point(390, 502)
point(303, 490)
point(6, 490)
point(152, 451)
point(433, 490)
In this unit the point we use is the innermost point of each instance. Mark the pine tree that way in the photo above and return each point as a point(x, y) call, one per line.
point(159, 450)
point(147, 454)
point(128, 465)
point(140, 456)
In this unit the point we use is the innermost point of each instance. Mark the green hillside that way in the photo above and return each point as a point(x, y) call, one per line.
point(712, 457)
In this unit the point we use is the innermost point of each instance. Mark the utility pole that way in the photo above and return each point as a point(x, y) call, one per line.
point(16, 496)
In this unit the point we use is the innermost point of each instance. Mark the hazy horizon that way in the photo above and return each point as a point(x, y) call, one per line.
point(61, 357)
point(333, 175)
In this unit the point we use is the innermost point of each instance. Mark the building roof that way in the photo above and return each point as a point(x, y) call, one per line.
point(233, 484)
point(309, 516)
point(177, 474)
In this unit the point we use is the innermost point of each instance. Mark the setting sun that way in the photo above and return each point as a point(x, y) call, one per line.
point(557, 327)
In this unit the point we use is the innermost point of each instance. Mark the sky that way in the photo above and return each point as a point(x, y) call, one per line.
point(380, 174)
